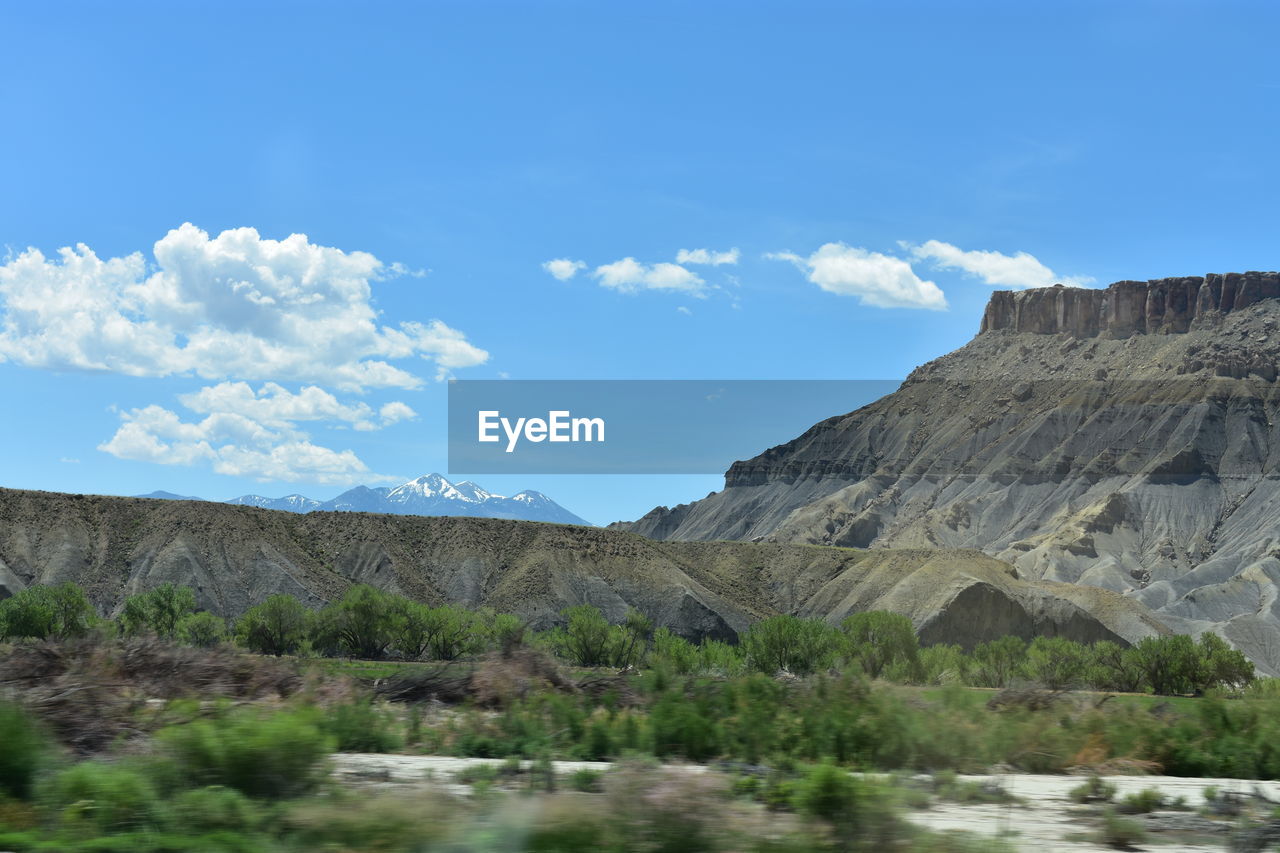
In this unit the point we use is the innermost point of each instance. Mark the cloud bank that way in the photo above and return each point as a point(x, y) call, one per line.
point(237, 308)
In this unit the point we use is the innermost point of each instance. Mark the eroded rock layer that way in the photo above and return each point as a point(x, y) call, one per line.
point(1124, 438)
point(235, 556)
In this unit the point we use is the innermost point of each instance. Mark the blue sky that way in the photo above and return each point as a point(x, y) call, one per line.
point(879, 169)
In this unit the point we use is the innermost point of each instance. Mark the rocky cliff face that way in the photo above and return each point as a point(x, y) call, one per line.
point(235, 556)
point(1126, 438)
point(1160, 306)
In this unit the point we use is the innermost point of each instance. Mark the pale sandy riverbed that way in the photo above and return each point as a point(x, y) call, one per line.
point(1047, 822)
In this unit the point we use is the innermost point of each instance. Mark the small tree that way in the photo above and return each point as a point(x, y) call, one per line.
point(1056, 662)
point(1113, 667)
point(364, 621)
point(799, 646)
point(999, 661)
point(945, 664)
point(41, 612)
point(1221, 665)
point(277, 626)
point(1169, 664)
point(158, 610)
point(586, 639)
point(446, 632)
point(203, 630)
point(632, 639)
point(877, 639)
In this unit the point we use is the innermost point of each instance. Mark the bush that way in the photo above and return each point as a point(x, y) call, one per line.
point(202, 630)
point(587, 637)
point(42, 612)
point(1093, 791)
point(277, 626)
point(23, 749)
point(275, 756)
point(372, 822)
point(360, 727)
point(1144, 801)
point(158, 611)
point(585, 780)
point(859, 812)
point(799, 646)
point(445, 633)
point(1056, 662)
point(1118, 832)
point(999, 661)
point(878, 639)
point(107, 797)
point(213, 809)
point(363, 622)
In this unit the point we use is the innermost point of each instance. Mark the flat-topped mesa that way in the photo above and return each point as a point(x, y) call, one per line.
point(1159, 306)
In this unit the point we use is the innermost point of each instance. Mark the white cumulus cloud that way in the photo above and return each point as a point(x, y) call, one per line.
point(994, 268)
point(234, 306)
point(564, 268)
point(880, 280)
point(629, 276)
point(239, 308)
point(252, 434)
point(275, 406)
point(707, 257)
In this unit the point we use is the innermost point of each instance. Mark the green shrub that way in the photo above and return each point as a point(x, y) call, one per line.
point(1142, 802)
point(1095, 790)
point(1118, 832)
point(877, 640)
point(799, 646)
point(1056, 662)
point(42, 612)
point(273, 756)
point(586, 780)
point(363, 623)
point(358, 726)
point(23, 750)
point(202, 630)
point(212, 809)
point(999, 662)
point(372, 823)
point(158, 611)
point(277, 626)
point(587, 637)
point(107, 797)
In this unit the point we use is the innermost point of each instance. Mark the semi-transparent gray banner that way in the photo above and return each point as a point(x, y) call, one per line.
point(689, 426)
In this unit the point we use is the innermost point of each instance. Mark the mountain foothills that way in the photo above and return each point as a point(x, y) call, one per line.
point(236, 556)
point(1125, 438)
point(429, 495)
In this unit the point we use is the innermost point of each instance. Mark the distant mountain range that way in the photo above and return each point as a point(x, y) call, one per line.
point(429, 495)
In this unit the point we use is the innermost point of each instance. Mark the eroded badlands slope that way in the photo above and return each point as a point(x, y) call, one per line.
point(1123, 438)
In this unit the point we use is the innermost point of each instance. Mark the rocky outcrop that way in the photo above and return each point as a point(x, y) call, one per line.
point(1125, 438)
point(1160, 306)
point(235, 556)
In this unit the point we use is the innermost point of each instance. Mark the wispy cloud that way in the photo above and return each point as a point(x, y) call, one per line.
point(995, 268)
point(707, 257)
point(563, 269)
point(876, 279)
point(630, 276)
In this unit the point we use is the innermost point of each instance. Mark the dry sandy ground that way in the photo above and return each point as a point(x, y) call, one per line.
point(1046, 821)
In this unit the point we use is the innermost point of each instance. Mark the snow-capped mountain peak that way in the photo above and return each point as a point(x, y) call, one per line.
point(432, 494)
point(472, 492)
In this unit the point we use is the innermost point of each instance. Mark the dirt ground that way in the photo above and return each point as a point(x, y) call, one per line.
point(1044, 821)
